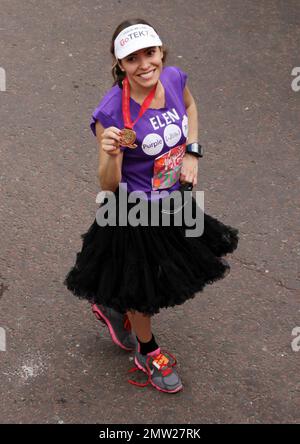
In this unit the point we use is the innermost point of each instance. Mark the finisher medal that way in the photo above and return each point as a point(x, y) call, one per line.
point(128, 135)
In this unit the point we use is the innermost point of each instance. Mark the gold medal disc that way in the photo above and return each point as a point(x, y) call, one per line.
point(128, 137)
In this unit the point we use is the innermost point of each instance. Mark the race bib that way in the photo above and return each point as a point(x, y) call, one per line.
point(167, 167)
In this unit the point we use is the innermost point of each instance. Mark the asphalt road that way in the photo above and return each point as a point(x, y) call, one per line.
point(233, 341)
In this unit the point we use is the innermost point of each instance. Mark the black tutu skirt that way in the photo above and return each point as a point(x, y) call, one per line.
point(146, 268)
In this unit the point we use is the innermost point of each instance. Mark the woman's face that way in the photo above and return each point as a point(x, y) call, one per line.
point(143, 67)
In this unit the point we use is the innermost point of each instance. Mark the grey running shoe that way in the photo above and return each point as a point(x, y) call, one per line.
point(118, 325)
point(160, 371)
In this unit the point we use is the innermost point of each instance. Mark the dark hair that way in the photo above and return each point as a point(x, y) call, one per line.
point(116, 71)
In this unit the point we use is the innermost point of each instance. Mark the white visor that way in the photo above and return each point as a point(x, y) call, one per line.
point(133, 38)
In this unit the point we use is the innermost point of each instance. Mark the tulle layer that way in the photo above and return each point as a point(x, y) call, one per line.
point(146, 268)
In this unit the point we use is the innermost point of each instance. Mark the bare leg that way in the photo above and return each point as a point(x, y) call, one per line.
point(141, 325)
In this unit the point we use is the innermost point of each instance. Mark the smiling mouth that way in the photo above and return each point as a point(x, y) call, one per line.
point(147, 75)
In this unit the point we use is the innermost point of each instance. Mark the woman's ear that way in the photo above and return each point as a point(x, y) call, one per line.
point(120, 66)
point(161, 52)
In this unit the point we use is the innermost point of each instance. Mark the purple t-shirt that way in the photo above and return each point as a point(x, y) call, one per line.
point(161, 133)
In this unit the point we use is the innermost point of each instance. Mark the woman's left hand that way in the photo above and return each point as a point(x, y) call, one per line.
point(189, 169)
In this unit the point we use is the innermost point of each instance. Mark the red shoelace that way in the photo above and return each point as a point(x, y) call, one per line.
point(165, 370)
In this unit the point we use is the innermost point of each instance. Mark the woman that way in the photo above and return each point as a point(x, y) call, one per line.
point(146, 126)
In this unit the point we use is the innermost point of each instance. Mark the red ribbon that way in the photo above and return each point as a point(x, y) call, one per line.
point(126, 106)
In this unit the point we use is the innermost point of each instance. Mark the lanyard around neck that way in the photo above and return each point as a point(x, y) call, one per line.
point(126, 106)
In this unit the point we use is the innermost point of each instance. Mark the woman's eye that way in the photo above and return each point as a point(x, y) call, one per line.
point(132, 58)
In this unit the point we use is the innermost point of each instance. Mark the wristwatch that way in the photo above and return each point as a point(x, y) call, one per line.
point(195, 149)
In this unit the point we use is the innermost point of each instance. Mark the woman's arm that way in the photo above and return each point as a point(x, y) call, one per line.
point(191, 109)
point(189, 168)
point(110, 165)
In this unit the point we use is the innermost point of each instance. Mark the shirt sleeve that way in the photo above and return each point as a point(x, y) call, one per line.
point(183, 77)
point(105, 120)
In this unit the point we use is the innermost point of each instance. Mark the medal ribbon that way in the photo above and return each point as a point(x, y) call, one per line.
point(126, 106)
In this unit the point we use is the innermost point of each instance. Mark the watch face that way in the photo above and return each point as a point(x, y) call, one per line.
point(195, 149)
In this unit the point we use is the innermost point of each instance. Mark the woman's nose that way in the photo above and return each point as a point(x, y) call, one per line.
point(144, 63)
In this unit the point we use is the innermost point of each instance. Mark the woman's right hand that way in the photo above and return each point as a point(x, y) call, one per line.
point(110, 140)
